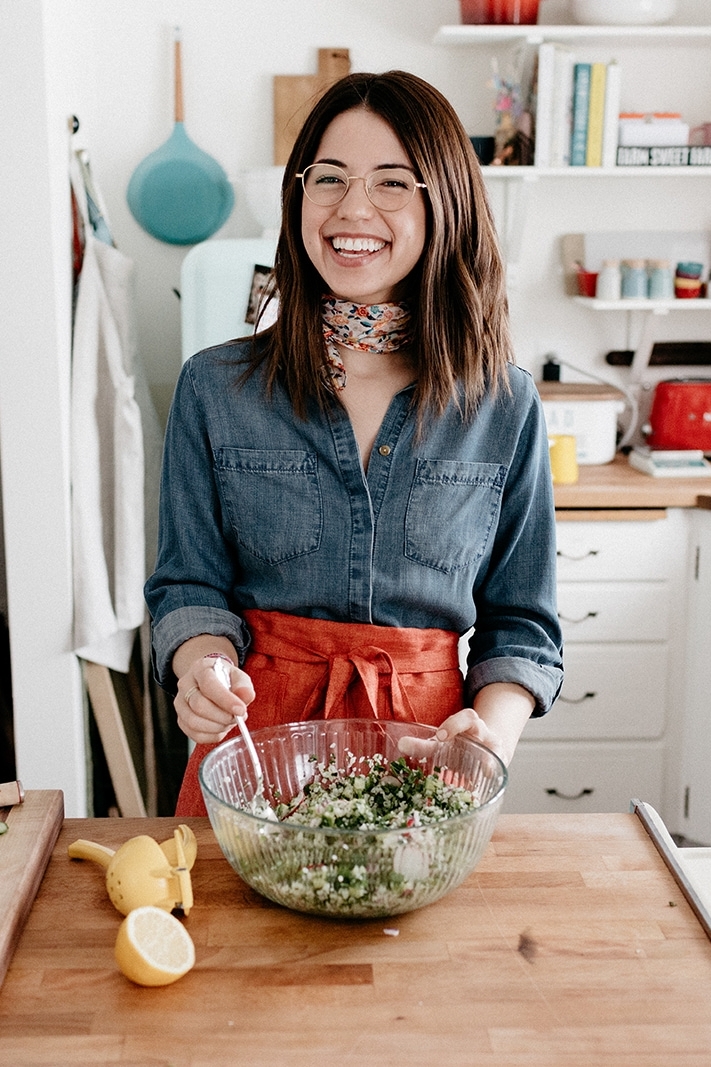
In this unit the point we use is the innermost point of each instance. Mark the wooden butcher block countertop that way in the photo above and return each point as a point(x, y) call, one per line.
point(618, 485)
point(570, 946)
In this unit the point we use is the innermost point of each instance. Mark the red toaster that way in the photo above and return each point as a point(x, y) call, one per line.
point(680, 417)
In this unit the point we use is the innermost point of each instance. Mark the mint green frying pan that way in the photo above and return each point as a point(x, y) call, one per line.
point(179, 193)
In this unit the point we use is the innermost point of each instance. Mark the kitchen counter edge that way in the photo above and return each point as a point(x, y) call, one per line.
point(617, 485)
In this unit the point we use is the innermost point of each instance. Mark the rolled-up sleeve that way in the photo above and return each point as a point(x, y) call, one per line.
point(517, 636)
point(190, 591)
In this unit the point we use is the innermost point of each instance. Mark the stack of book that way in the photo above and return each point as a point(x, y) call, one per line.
point(658, 140)
point(577, 107)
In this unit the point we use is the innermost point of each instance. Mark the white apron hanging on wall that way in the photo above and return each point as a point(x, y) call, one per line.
point(107, 453)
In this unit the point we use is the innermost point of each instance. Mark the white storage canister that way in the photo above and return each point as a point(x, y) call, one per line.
point(609, 280)
point(634, 279)
point(589, 412)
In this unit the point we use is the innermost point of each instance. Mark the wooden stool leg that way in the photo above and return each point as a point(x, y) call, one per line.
point(112, 732)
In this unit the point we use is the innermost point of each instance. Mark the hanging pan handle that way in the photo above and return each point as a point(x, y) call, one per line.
point(178, 74)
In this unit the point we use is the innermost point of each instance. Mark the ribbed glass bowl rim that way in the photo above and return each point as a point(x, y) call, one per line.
point(437, 824)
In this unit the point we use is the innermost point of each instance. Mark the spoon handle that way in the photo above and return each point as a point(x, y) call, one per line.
point(247, 738)
point(223, 674)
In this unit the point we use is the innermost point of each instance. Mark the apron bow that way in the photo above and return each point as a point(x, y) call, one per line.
point(364, 666)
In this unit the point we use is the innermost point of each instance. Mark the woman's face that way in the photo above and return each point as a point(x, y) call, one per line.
point(363, 254)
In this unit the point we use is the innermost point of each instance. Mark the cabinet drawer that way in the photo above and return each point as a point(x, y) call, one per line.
point(609, 692)
point(597, 551)
point(613, 611)
point(583, 777)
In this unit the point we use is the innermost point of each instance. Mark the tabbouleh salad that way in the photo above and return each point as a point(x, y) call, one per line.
point(364, 872)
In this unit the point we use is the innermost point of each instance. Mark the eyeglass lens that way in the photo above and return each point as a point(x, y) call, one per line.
point(388, 188)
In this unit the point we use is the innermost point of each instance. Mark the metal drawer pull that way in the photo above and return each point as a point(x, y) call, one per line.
point(565, 618)
point(579, 700)
point(577, 559)
point(566, 796)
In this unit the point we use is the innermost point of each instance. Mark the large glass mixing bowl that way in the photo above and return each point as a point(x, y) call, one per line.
point(347, 873)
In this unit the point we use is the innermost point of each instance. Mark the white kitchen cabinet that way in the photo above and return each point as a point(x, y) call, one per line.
point(695, 817)
point(605, 687)
point(597, 611)
point(607, 739)
point(597, 776)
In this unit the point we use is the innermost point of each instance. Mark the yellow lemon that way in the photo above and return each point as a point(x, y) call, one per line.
point(153, 947)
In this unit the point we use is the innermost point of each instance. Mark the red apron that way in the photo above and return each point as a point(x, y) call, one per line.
point(311, 669)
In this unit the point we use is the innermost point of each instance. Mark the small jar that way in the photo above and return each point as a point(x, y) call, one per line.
point(687, 288)
point(661, 280)
point(689, 270)
point(634, 279)
point(609, 280)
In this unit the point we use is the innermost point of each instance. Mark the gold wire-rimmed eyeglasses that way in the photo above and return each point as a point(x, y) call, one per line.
point(387, 188)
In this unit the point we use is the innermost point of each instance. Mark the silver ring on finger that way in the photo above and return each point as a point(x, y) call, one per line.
point(193, 689)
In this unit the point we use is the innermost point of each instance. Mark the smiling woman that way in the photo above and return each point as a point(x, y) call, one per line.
point(349, 491)
point(364, 235)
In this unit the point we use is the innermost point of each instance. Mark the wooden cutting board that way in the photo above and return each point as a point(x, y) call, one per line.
point(296, 94)
point(33, 828)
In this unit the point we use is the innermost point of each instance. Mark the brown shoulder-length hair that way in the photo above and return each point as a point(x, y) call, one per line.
point(461, 342)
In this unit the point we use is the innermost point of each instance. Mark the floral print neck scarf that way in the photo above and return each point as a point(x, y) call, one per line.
point(364, 328)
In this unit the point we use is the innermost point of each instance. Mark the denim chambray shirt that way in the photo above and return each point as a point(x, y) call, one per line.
point(262, 510)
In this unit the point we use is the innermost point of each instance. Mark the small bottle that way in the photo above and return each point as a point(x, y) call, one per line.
point(551, 369)
point(634, 279)
point(609, 280)
point(661, 280)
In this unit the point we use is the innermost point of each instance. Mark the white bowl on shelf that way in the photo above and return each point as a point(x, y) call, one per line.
point(262, 189)
point(622, 12)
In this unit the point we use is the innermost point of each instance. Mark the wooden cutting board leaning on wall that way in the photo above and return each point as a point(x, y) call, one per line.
point(33, 826)
point(296, 94)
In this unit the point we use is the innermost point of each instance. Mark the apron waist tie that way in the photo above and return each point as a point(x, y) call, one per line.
point(365, 664)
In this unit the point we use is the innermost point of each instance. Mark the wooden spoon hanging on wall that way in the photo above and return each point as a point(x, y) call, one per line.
point(296, 94)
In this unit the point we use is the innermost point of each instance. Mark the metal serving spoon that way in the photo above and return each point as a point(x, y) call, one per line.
point(259, 805)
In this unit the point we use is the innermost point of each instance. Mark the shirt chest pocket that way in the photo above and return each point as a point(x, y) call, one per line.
point(272, 499)
point(451, 511)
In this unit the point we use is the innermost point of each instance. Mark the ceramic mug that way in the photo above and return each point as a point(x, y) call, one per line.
point(517, 12)
point(564, 459)
point(587, 282)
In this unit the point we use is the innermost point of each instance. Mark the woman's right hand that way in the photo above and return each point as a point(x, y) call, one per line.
point(206, 709)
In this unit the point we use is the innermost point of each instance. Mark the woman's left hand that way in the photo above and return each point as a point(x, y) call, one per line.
point(469, 723)
point(503, 709)
point(465, 722)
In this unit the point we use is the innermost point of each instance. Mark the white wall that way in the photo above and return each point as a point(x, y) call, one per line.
point(35, 307)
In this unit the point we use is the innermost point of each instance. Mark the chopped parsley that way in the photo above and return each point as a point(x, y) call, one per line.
point(376, 794)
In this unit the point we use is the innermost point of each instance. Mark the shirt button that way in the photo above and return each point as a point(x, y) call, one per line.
point(384, 450)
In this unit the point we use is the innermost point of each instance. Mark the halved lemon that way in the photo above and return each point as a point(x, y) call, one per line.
point(153, 947)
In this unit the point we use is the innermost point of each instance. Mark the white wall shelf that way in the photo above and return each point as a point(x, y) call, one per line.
point(656, 307)
point(476, 35)
point(513, 174)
